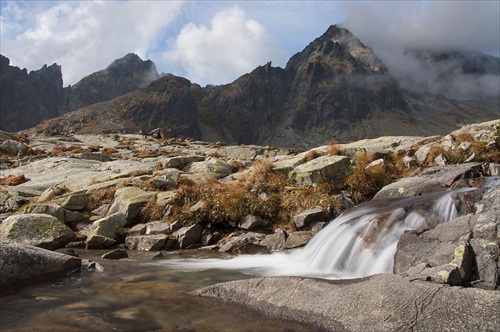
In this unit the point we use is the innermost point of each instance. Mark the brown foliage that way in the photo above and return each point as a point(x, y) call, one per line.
point(100, 197)
point(13, 180)
point(151, 211)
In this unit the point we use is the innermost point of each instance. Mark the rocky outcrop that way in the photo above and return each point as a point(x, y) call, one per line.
point(378, 303)
point(460, 252)
point(30, 98)
point(120, 77)
point(22, 264)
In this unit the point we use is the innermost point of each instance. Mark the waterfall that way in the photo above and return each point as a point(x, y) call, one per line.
point(360, 242)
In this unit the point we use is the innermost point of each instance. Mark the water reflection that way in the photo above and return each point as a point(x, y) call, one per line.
point(132, 295)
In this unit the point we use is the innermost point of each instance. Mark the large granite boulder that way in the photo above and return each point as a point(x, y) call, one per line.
point(209, 168)
point(104, 231)
point(378, 303)
point(13, 147)
point(320, 170)
point(189, 235)
point(41, 230)
point(22, 264)
point(62, 214)
point(463, 251)
point(129, 201)
point(146, 242)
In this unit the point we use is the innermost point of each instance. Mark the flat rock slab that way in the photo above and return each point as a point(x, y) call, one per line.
point(434, 179)
point(379, 303)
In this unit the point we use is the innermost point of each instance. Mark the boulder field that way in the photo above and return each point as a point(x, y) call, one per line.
point(138, 192)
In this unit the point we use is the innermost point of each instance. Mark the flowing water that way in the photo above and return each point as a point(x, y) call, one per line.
point(144, 294)
point(359, 243)
point(132, 295)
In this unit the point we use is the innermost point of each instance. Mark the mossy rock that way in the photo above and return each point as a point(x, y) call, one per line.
point(41, 230)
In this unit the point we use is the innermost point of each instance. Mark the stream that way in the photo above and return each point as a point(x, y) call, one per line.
point(133, 295)
point(147, 293)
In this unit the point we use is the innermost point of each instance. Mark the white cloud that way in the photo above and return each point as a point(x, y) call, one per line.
point(82, 37)
point(390, 28)
point(231, 46)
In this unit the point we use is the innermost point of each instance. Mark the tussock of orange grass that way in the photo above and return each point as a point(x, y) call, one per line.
point(13, 180)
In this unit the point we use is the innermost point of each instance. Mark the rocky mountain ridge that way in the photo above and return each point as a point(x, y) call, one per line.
point(336, 89)
point(30, 98)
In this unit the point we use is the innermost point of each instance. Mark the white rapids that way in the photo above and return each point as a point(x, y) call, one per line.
point(360, 242)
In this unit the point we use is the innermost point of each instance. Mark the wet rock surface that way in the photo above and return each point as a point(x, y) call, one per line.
point(378, 303)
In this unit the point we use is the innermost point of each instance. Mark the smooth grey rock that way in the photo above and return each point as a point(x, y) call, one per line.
point(275, 241)
point(307, 217)
point(129, 201)
point(189, 235)
point(115, 254)
point(75, 201)
point(320, 170)
point(209, 168)
point(104, 231)
point(249, 222)
point(95, 156)
point(286, 164)
point(379, 303)
point(139, 229)
point(297, 239)
point(179, 162)
point(240, 152)
point(146, 242)
point(63, 215)
point(437, 178)
point(40, 230)
point(158, 227)
point(22, 264)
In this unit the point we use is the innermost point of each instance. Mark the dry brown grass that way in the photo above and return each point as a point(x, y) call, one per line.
point(13, 180)
point(56, 192)
point(151, 211)
point(100, 197)
point(260, 192)
point(313, 154)
point(333, 149)
point(146, 154)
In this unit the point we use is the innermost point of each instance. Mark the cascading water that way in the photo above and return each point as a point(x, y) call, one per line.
point(360, 242)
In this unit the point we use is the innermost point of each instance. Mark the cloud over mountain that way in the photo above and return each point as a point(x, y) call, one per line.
point(231, 45)
point(411, 36)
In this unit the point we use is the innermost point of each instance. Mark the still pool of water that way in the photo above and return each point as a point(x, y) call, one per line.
point(133, 295)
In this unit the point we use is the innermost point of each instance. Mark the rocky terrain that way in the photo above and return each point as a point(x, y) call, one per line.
point(126, 192)
point(30, 98)
point(336, 89)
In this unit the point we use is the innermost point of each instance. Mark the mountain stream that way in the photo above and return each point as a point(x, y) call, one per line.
point(147, 293)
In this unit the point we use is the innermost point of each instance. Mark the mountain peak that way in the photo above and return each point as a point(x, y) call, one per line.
point(338, 48)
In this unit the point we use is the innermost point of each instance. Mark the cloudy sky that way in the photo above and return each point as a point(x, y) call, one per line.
point(214, 42)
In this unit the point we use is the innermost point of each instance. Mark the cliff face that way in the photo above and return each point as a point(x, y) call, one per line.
point(30, 98)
